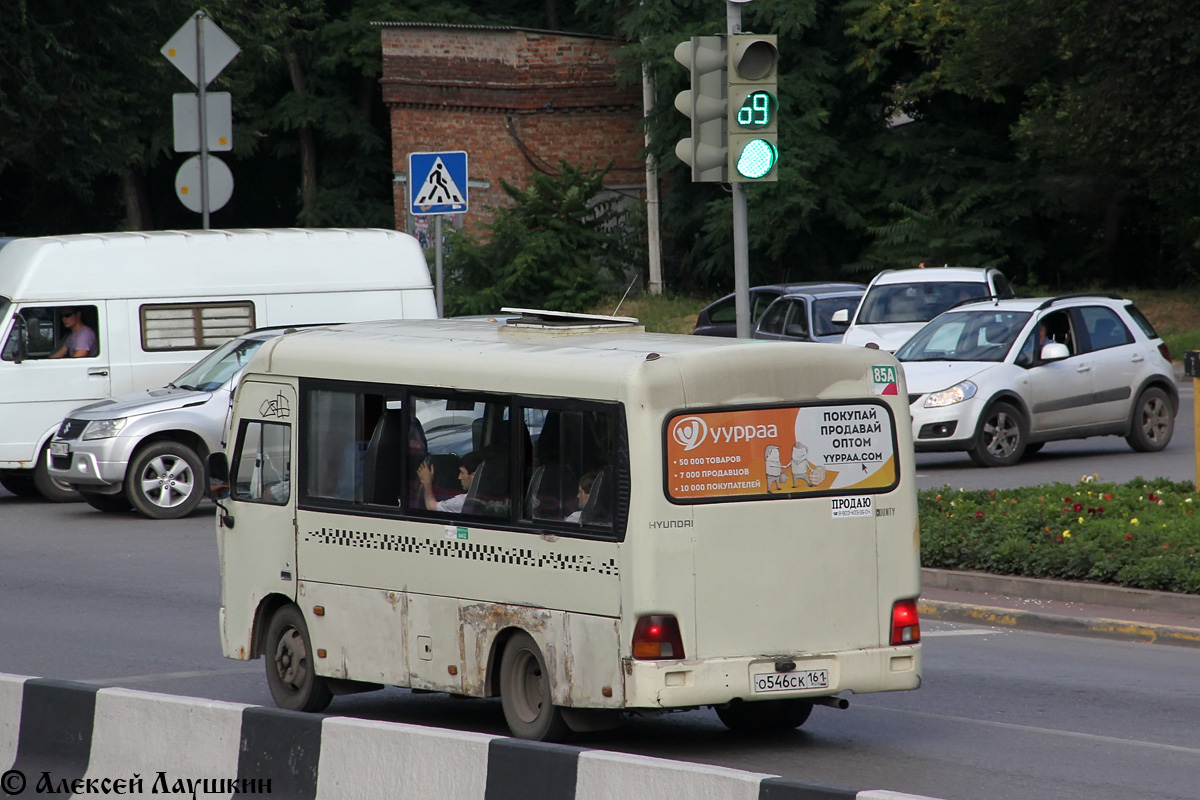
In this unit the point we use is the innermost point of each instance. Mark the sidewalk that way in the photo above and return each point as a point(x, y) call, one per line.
point(1064, 607)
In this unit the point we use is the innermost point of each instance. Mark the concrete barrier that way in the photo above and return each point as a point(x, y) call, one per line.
point(58, 737)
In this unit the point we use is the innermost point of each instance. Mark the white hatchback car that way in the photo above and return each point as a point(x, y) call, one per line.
point(899, 302)
point(999, 378)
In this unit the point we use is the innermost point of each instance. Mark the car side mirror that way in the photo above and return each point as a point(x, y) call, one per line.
point(796, 332)
point(840, 317)
point(1054, 351)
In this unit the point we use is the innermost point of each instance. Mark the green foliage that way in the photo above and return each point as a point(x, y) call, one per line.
point(1141, 534)
point(562, 245)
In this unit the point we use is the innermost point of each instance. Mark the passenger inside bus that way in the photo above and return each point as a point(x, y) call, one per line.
point(466, 476)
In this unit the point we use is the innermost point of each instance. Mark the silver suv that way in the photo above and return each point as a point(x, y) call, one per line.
point(147, 450)
point(999, 379)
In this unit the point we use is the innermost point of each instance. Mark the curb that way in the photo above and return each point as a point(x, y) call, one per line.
point(1097, 624)
point(1056, 623)
point(1063, 591)
point(74, 738)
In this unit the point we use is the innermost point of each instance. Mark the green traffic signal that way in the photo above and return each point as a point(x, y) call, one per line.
point(757, 159)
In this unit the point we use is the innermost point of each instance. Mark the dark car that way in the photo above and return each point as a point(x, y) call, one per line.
point(806, 315)
point(720, 318)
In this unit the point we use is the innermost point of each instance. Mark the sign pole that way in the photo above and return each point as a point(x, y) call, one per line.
point(201, 83)
point(741, 237)
point(437, 234)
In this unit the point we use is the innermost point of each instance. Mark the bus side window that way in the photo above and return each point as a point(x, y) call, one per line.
point(263, 463)
point(574, 448)
point(489, 492)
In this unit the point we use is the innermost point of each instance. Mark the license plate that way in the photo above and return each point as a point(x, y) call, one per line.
point(58, 448)
point(791, 681)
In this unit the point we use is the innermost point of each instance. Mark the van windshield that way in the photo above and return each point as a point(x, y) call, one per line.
point(915, 302)
point(212, 371)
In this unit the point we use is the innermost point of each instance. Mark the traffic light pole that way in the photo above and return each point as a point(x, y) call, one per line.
point(741, 236)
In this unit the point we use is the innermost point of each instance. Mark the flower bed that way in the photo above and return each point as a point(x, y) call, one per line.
point(1142, 534)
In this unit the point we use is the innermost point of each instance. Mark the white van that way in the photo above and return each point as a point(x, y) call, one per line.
point(159, 300)
point(571, 514)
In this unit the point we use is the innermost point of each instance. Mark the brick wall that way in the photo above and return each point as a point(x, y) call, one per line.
point(515, 100)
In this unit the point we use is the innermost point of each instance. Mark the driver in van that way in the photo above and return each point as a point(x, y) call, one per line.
point(466, 475)
point(81, 341)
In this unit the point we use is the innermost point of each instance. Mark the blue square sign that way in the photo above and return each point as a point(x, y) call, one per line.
point(437, 183)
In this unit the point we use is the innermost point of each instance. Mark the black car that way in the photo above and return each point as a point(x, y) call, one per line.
point(720, 318)
point(806, 315)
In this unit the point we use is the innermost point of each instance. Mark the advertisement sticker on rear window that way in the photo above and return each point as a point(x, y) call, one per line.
point(788, 451)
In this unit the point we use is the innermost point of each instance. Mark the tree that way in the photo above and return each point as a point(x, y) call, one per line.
point(1109, 113)
point(562, 245)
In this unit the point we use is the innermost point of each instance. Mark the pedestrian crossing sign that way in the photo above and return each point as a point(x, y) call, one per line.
point(437, 183)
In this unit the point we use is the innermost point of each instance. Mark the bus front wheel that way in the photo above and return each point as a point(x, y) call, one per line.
point(764, 716)
point(525, 693)
point(291, 674)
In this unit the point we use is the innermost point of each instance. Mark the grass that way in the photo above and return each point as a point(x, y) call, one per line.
point(659, 313)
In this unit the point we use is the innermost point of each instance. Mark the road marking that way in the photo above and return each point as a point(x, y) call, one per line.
point(928, 634)
point(1011, 726)
point(168, 676)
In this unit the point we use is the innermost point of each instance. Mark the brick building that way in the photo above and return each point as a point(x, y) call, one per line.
point(516, 100)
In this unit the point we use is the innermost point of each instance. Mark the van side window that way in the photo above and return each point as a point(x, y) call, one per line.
point(262, 463)
point(39, 331)
point(194, 326)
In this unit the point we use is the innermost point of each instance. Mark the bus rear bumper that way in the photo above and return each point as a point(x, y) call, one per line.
point(686, 684)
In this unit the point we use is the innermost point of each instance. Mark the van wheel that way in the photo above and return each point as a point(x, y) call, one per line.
point(764, 716)
point(1000, 440)
point(106, 502)
point(1153, 422)
point(164, 480)
point(291, 674)
point(49, 487)
point(525, 696)
point(18, 484)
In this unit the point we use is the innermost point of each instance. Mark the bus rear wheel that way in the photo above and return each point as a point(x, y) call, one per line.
point(525, 695)
point(291, 674)
point(764, 716)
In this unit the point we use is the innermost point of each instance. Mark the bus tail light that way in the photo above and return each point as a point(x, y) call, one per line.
point(906, 627)
point(657, 637)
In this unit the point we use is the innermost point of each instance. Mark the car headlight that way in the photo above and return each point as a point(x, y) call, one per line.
point(948, 397)
point(103, 428)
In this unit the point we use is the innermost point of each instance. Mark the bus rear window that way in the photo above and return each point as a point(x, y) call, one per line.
point(780, 452)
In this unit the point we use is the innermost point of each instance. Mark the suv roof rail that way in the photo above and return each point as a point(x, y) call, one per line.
point(1061, 297)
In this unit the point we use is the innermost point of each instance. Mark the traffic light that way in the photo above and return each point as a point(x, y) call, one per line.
point(705, 152)
point(753, 105)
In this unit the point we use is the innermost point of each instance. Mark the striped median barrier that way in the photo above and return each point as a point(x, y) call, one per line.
point(58, 737)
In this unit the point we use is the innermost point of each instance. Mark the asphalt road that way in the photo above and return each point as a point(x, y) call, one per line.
point(117, 600)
